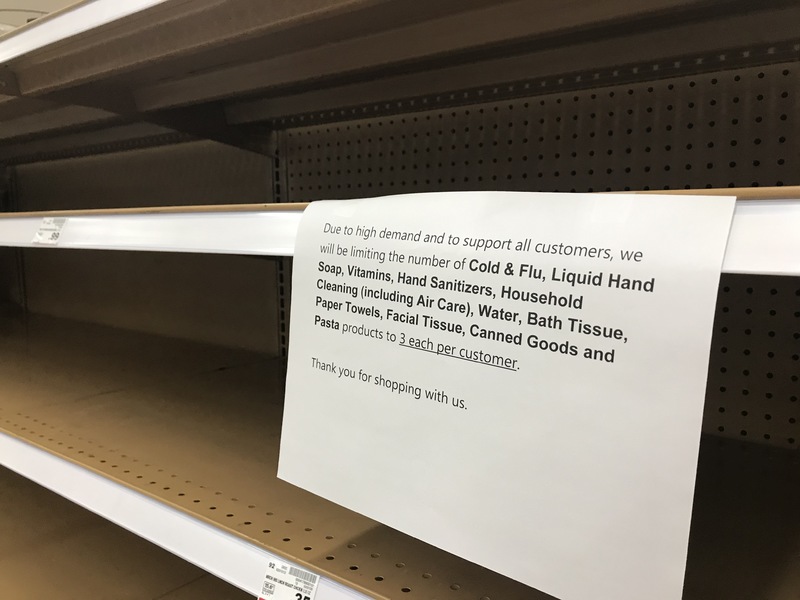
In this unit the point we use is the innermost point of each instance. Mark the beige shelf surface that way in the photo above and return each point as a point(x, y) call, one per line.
point(198, 427)
point(47, 543)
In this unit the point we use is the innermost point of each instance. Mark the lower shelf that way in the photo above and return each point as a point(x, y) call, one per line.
point(181, 440)
point(48, 544)
point(196, 428)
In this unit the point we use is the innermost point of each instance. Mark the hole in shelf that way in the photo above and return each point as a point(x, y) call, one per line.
point(379, 578)
point(330, 557)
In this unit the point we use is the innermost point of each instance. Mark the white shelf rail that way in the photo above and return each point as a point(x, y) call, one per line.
point(220, 553)
point(67, 23)
point(251, 231)
point(764, 239)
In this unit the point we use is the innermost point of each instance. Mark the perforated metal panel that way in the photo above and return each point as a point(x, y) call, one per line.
point(737, 127)
point(754, 377)
point(283, 265)
point(732, 128)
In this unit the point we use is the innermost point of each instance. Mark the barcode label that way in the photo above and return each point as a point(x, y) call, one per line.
point(304, 575)
point(49, 232)
point(282, 581)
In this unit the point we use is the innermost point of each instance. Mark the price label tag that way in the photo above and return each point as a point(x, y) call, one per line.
point(286, 582)
point(49, 232)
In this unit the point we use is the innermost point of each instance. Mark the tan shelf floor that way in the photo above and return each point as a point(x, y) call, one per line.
point(198, 428)
point(52, 548)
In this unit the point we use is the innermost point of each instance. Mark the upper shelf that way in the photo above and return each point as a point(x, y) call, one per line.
point(156, 43)
point(763, 238)
point(223, 64)
point(66, 24)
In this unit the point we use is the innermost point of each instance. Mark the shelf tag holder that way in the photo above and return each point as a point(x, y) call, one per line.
point(49, 232)
point(283, 581)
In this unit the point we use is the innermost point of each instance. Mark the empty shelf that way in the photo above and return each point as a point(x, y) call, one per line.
point(178, 442)
point(48, 543)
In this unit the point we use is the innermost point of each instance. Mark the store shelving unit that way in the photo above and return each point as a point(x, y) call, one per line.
point(47, 539)
point(119, 410)
point(762, 239)
point(267, 230)
point(147, 386)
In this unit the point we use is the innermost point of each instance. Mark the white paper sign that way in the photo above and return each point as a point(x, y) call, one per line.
point(516, 378)
point(49, 231)
point(283, 581)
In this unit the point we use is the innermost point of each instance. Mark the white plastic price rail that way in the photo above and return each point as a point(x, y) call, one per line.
point(265, 232)
point(764, 237)
point(67, 23)
point(224, 555)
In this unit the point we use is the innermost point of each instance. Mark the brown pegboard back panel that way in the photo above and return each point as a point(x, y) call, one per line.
point(283, 265)
point(737, 127)
point(724, 129)
point(406, 98)
point(753, 391)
